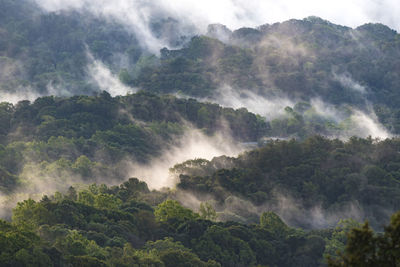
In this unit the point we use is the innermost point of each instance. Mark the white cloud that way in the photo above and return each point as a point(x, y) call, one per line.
point(106, 80)
point(346, 81)
point(14, 97)
point(137, 14)
point(270, 108)
point(194, 144)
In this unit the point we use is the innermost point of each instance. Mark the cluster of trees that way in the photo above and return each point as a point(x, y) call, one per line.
point(82, 135)
point(317, 172)
point(88, 135)
point(301, 59)
point(41, 50)
point(297, 55)
point(304, 120)
point(84, 116)
point(124, 225)
point(117, 226)
point(366, 248)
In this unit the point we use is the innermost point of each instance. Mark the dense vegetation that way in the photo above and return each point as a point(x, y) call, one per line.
point(129, 224)
point(296, 57)
point(47, 53)
point(361, 176)
point(229, 211)
point(124, 226)
point(88, 136)
point(366, 248)
point(300, 59)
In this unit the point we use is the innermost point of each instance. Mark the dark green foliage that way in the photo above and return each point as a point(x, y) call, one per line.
point(366, 248)
point(104, 226)
point(21, 247)
point(84, 116)
point(303, 59)
point(60, 231)
point(50, 50)
point(87, 137)
point(317, 171)
point(82, 135)
point(298, 56)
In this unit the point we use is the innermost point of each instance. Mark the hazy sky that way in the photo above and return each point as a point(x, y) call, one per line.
point(238, 13)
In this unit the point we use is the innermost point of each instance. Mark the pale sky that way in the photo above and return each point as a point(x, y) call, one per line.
point(136, 14)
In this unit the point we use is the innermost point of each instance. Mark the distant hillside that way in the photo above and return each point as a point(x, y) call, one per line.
point(298, 59)
point(57, 134)
point(311, 183)
point(45, 53)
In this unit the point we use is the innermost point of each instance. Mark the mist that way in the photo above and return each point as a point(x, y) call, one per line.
point(290, 210)
point(190, 18)
point(22, 94)
point(9, 91)
point(195, 16)
point(270, 108)
point(353, 120)
point(45, 178)
point(347, 82)
point(37, 179)
point(102, 76)
point(97, 73)
point(361, 123)
point(193, 144)
point(138, 15)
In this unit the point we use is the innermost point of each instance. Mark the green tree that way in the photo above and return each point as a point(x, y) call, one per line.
point(337, 242)
point(269, 220)
point(365, 248)
point(172, 210)
point(208, 212)
point(30, 214)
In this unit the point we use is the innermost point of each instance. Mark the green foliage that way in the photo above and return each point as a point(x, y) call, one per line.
point(80, 136)
point(93, 226)
point(337, 242)
point(171, 210)
point(316, 171)
point(30, 214)
point(218, 244)
point(47, 50)
point(21, 247)
point(273, 223)
point(207, 212)
point(77, 245)
point(365, 248)
point(86, 137)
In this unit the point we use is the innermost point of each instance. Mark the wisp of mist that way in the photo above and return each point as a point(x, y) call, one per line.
point(193, 144)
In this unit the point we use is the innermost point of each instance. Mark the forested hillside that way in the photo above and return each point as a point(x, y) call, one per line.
point(128, 224)
point(48, 53)
point(119, 226)
point(54, 53)
point(299, 59)
point(89, 137)
point(302, 180)
point(130, 136)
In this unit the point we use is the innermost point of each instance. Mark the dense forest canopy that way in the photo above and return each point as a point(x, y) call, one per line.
point(256, 146)
point(67, 52)
point(301, 180)
point(115, 226)
point(88, 138)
